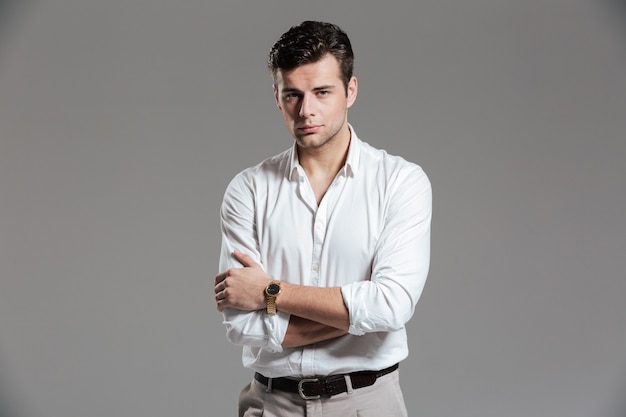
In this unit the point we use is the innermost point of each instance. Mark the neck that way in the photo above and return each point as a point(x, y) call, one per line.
point(326, 160)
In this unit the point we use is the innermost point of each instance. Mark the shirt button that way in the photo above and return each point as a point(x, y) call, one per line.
point(316, 267)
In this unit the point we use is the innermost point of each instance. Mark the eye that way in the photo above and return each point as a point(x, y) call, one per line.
point(291, 96)
point(323, 93)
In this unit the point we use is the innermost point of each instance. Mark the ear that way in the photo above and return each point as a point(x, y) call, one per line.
point(353, 88)
point(276, 97)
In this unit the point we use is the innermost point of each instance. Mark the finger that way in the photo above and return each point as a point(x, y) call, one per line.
point(220, 277)
point(244, 259)
point(220, 286)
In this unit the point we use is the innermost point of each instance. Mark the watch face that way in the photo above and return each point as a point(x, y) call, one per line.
point(272, 289)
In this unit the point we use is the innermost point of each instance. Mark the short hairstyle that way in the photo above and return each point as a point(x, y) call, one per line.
point(309, 42)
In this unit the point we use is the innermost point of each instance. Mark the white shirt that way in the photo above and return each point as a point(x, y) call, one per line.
point(370, 235)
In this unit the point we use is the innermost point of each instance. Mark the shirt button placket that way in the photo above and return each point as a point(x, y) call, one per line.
point(318, 239)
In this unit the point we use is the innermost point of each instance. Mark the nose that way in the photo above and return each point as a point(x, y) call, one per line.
point(306, 106)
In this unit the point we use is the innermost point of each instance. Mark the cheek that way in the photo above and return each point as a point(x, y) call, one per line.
point(337, 109)
point(288, 111)
point(287, 117)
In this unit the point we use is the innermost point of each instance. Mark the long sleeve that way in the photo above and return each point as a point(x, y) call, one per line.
point(401, 262)
point(238, 226)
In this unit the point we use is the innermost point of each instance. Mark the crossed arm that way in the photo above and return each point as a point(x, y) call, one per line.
point(383, 303)
point(317, 314)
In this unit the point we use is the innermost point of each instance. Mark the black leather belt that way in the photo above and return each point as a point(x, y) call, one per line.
point(314, 388)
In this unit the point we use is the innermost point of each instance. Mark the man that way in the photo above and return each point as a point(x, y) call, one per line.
point(325, 248)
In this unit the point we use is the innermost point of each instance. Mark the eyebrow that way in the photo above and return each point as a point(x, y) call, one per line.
point(320, 88)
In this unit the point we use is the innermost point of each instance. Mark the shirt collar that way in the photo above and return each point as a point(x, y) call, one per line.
point(349, 169)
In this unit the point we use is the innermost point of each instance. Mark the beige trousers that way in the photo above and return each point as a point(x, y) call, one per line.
point(383, 399)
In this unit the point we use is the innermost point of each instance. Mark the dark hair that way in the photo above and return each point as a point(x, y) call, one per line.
point(309, 42)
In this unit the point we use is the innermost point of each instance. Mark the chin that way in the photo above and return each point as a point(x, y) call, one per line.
point(308, 141)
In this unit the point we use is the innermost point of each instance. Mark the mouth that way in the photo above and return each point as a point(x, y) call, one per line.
point(308, 129)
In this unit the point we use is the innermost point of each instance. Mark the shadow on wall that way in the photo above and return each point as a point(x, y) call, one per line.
point(617, 9)
point(7, 402)
point(620, 409)
point(10, 14)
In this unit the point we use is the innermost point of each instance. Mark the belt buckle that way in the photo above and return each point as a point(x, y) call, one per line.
point(301, 389)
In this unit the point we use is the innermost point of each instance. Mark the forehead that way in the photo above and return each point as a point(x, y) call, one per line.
point(326, 71)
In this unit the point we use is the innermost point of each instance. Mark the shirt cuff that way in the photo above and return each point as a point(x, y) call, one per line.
point(276, 329)
point(346, 293)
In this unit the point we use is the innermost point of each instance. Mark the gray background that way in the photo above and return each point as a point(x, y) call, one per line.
point(122, 121)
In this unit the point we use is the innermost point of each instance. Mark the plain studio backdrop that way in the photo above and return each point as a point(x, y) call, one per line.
point(121, 123)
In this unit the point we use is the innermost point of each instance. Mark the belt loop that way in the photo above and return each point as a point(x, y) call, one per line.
point(349, 389)
point(269, 385)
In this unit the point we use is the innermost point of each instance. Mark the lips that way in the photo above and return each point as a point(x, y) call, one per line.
point(309, 129)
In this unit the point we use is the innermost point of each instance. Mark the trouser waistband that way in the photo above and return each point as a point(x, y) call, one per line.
point(314, 388)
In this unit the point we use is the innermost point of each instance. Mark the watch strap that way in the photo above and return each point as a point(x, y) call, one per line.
point(270, 304)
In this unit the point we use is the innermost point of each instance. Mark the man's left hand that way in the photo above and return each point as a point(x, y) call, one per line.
point(241, 288)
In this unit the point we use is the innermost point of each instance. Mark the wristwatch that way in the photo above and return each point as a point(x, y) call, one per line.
point(271, 292)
